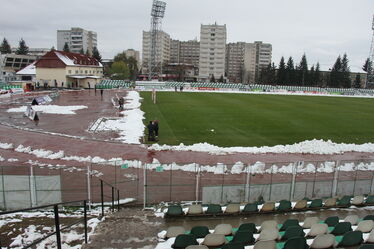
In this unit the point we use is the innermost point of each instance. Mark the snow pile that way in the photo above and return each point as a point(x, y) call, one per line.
point(13, 160)
point(6, 146)
point(315, 146)
point(40, 153)
point(130, 127)
point(2, 159)
point(50, 109)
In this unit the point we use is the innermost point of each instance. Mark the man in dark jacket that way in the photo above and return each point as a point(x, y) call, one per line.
point(151, 136)
point(155, 127)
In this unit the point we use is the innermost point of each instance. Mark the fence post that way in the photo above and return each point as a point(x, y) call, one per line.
point(89, 184)
point(112, 199)
point(102, 197)
point(246, 197)
point(118, 198)
point(32, 187)
point(145, 185)
point(57, 225)
point(271, 182)
point(335, 181)
point(354, 183)
point(223, 182)
point(170, 182)
point(371, 185)
point(315, 178)
point(197, 170)
point(294, 172)
point(2, 176)
point(85, 221)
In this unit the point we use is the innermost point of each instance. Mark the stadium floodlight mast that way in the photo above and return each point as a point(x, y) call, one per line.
point(157, 13)
point(370, 73)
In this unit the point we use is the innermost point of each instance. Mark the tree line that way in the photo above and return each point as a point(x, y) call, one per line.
point(95, 52)
point(301, 75)
point(123, 68)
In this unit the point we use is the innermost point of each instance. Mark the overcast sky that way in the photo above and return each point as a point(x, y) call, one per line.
point(322, 29)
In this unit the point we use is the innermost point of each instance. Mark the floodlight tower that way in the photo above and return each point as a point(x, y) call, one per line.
point(157, 13)
point(370, 73)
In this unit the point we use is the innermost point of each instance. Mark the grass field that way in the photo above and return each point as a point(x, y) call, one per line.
point(257, 120)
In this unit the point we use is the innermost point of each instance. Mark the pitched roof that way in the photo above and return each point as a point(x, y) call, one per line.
point(28, 70)
point(61, 59)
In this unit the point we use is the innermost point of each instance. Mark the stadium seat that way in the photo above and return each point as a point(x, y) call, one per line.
point(345, 201)
point(268, 207)
point(266, 244)
point(369, 217)
point(365, 226)
point(232, 209)
point(369, 200)
point(175, 210)
point(367, 246)
point(250, 208)
point(269, 224)
point(195, 209)
point(370, 239)
point(358, 200)
point(214, 240)
point(324, 241)
point(317, 229)
point(309, 222)
point(317, 203)
point(250, 227)
point(289, 223)
point(225, 229)
point(269, 234)
point(293, 231)
point(353, 238)
point(200, 231)
point(214, 209)
point(184, 240)
point(243, 237)
point(300, 205)
point(330, 202)
point(296, 243)
point(174, 231)
point(332, 221)
point(284, 205)
point(353, 219)
point(233, 246)
point(197, 247)
point(342, 228)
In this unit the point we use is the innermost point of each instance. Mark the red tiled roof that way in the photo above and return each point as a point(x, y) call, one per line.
point(61, 59)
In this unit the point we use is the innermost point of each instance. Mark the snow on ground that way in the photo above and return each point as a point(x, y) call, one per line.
point(50, 109)
point(6, 146)
point(130, 127)
point(319, 147)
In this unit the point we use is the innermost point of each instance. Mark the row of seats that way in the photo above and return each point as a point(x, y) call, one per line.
point(267, 207)
point(109, 84)
point(320, 234)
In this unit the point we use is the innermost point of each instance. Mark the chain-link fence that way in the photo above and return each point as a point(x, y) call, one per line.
point(27, 186)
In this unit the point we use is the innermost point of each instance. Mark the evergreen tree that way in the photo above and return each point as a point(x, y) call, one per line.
point(281, 75)
point(317, 75)
point(66, 47)
point(88, 52)
point(311, 81)
point(357, 83)
point(81, 51)
point(212, 79)
point(367, 67)
point(335, 74)
point(221, 79)
point(5, 47)
point(346, 73)
point(302, 71)
point(96, 54)
point(53, 48)
point(22, 48)
point(290, 72)
point(119, 71)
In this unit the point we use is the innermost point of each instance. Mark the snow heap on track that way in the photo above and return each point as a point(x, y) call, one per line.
point(130, 127)
point(50, 109)
point(315, 146)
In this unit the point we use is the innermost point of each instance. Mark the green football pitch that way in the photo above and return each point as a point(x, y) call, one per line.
point(256, 120)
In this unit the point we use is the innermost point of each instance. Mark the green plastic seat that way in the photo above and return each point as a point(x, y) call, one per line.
point(296, 243)
point(243, 237)
point(332, 221)
point(250, 227)
point(344, 202)
point(250, 208)
point(184, 240)
point(284, 205)
point(316, 203)
point(352, 238)
point(367, 246)
point(289, 223)
point(233, 246)
point(370, 200)
point(342, 228)
point(369, 217)
point(200, 231)
point(293, 231)
point(175, 210)
point(214, 209)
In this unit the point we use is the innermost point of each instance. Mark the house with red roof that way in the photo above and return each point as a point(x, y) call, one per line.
point(65, 69)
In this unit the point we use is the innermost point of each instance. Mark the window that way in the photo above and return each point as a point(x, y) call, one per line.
point(76, 71)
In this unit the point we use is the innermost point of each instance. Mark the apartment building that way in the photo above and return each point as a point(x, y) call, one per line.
point(257, 56)
point(235, 61)
point(77, 39)
point(162, 49)
point(212, 51)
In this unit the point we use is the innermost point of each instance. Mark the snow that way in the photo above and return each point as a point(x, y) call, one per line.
point(130, 127)
point(13, 160)
point(66, 60)
point(319, 147)
point(50, 109)
point(6, 146)
point(29, 70)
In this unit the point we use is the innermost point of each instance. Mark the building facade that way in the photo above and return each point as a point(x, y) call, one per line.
point(77, 39)
point(235, 61)
point(64, 69)
point(11, 63)
point(212, 51)
point(162, 49)
point(257, 56)
point(38, 52)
